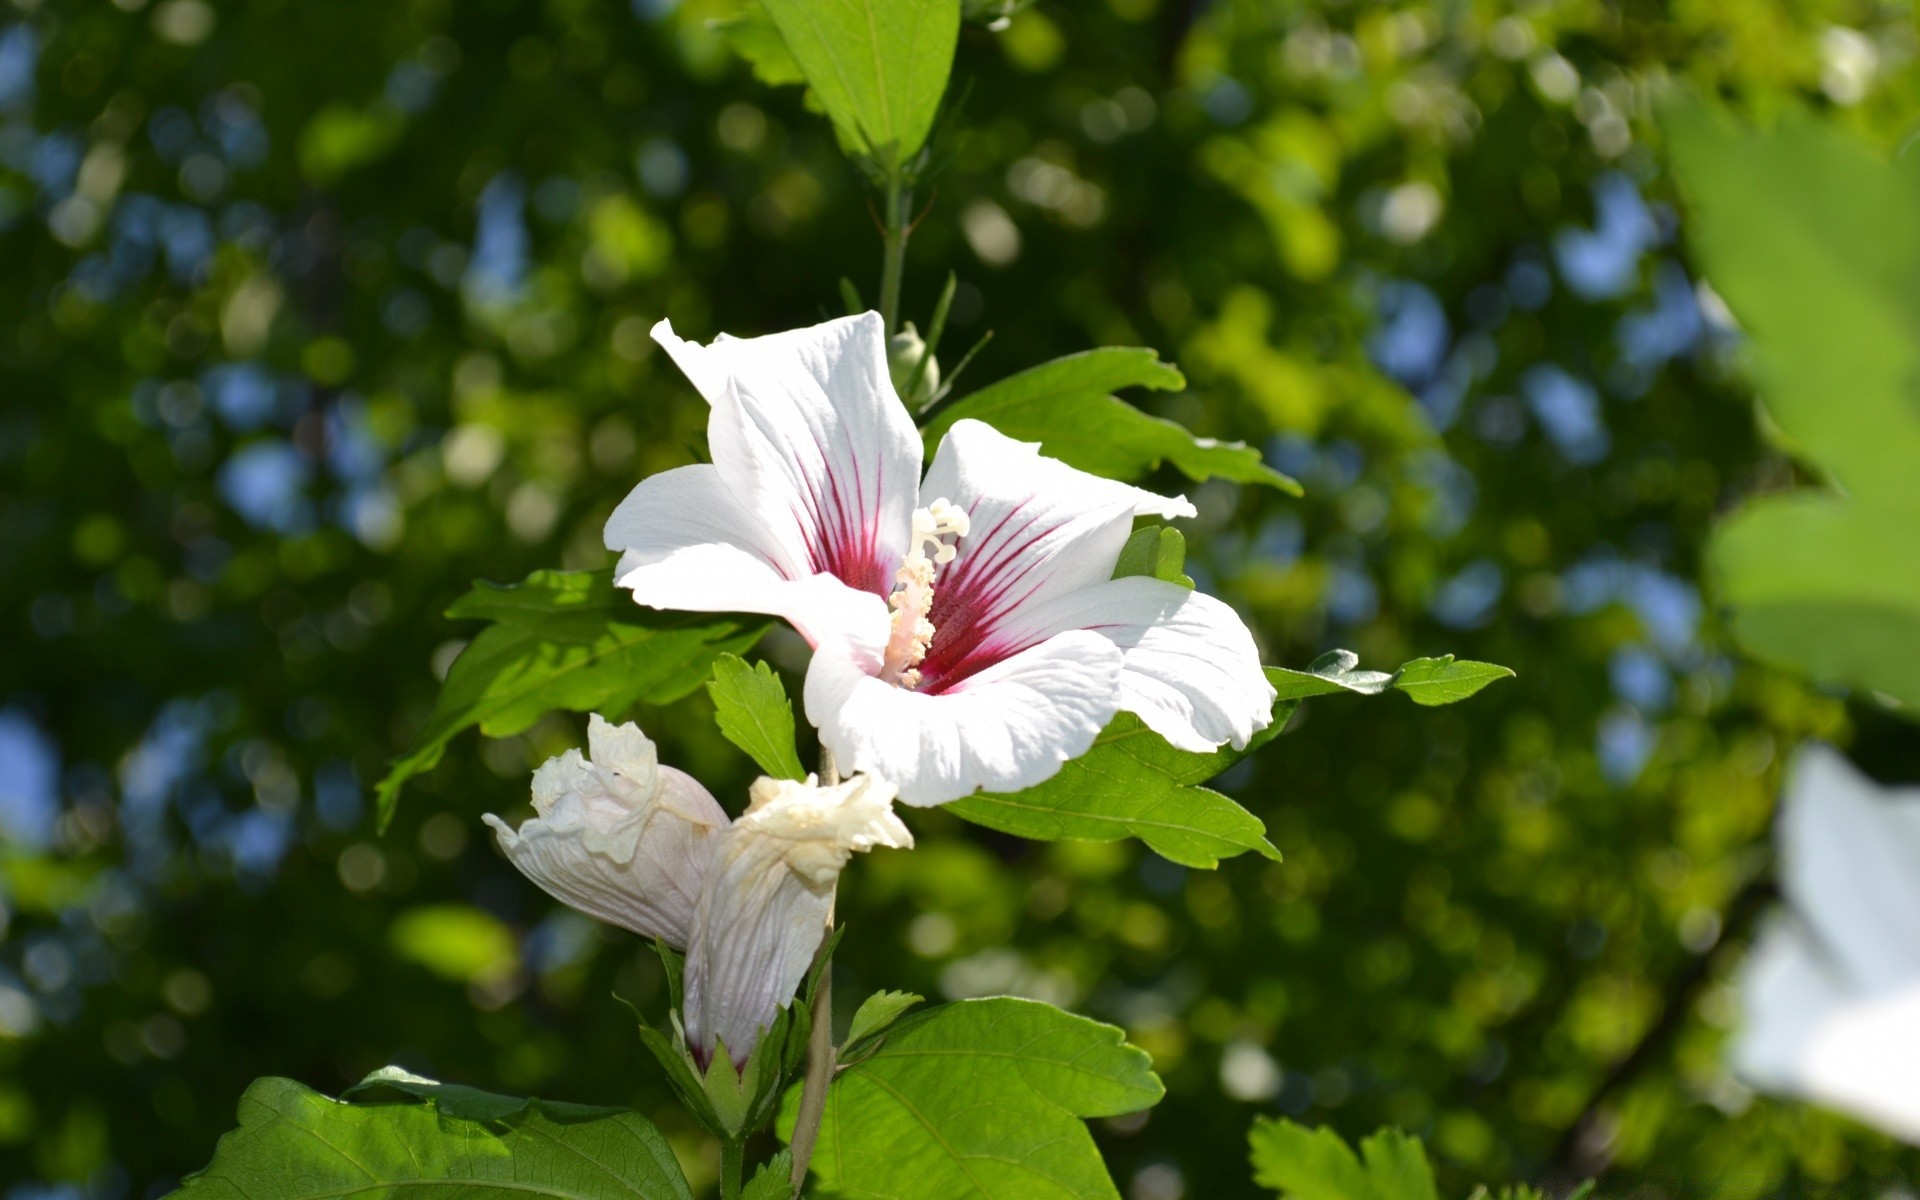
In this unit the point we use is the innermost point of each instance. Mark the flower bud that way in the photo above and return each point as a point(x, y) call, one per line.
point(904, 351)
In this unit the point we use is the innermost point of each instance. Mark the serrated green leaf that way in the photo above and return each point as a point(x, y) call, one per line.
point(1315, 1164)
point(754, 37)
point(1428, 681)
point(773, 1181)
point(1813, 241)
point(878, 1011)
point(1132, 783)
point(293, 1141)
point(1446, 680)
point(878, 67)
point(1067, 406)
point(751, 707)
point(1158, 552)
point(562, 640)
point(980, 1098)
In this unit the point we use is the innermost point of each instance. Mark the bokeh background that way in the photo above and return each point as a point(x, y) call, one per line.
point(310, 314)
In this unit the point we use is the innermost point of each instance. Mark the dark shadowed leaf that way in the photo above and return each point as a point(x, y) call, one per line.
point(562, 640)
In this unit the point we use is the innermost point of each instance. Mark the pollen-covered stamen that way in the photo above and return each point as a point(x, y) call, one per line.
point(913, 599)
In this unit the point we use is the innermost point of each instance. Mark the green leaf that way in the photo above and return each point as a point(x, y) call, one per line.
point(1429, 681)
point(773, 1181)
point(562, 640)
point(751, 707)
point(1158, 551)
point(754, 37)
point(1066, 405)
point(1446, 680)
point(981, 1098)
point(879, 67)
point(1334, 671)
point(1132, 783)
point(1813, 241)
point(293, 1141)
point(878, 1011)
point(1314, 1164)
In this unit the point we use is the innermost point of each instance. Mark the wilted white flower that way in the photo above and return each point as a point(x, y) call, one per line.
point(967, 629)
point(1832, 992)
point(619, 837)
point(769, 898)
point(645, 847)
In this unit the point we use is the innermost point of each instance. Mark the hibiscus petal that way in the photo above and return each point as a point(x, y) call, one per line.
point(1850, 854)
point(811, 439)
point(1189, 668)
point(689, 545)
point(1006, 727)
point(1804, 1036)
point(1038, 529)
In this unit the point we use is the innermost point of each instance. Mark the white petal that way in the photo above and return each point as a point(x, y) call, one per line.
point(1007, 727)
point(767, 901)
point(1189, 668)
point(1038, 529)
point(631, 850)
point(1850, 853)
point(690, 546)
point(1802, 1037)
point(811, 439)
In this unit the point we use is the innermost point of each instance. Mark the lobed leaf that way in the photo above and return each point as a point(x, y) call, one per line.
point(878, 1011)
point(1825, 583)
point(751, 707)
point(1066, 405)
point(562, 640)
point(1133, 783)
point(1315, 1164)
point(441, 1139)
point(981, 1099)
point(1158, 551)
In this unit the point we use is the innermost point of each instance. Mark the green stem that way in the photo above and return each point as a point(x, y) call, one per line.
point(730, 1158)
point(821, 1056)
point(894, 252)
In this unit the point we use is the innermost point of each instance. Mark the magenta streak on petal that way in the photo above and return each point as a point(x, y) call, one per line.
point(966, 608)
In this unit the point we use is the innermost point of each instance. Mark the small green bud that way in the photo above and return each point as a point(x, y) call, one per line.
point(904, 352)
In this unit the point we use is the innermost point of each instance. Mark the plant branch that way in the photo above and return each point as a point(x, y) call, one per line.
point(894, 250)
point(1584, 1149)
point(730, 1159)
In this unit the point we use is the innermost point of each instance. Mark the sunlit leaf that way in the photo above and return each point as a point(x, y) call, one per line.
point(1314, 1164)
point(1822, 582)
point(1428, 681)
point(1068, 407)
point(441, 1140)
point(879, 67)
point(456, 941)
point(751, 707)
point(562, 640)
point(878, 1011)
point(1158, 551)
point(981, 1098)
point(1132, 783)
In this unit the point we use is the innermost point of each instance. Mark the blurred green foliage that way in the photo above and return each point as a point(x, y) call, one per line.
point(314, 313)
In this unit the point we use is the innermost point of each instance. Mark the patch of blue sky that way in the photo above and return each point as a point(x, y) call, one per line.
point(29, 781)
point(498, 267)
point(1623, 742)
point(1568, 412)
point(1640, 677)
point(1410, 341)
point(265, 483)
point(19, 56)
point(1470, 597)
point(1603, 263)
